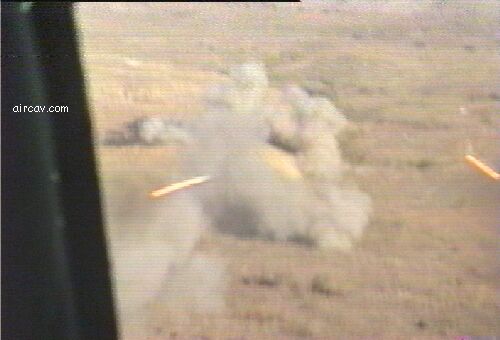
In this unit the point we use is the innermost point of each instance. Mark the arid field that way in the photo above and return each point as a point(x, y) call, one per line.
point(418, 80)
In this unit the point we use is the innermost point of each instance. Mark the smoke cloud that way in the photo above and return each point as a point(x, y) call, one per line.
point(154, 258)
point(275, 173)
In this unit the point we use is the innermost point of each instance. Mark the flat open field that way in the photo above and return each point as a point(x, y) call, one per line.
point(419, 80)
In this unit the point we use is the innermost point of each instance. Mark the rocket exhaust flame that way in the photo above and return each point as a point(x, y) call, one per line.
point(178, 186)
point(485, 169)
point(275, 159)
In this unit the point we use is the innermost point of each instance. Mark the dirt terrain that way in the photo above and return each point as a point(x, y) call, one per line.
point(419, 81)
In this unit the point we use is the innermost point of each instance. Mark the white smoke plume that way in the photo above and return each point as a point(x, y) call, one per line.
point(275, 174)
point(153, 255)
point(252, 151)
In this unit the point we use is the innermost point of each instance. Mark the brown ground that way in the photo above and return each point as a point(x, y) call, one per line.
point(428, 262)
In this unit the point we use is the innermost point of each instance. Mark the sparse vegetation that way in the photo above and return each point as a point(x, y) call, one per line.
point(323, 284)
point(267, 280)
point(349, 142)
point(427, 264)
point(422, 164)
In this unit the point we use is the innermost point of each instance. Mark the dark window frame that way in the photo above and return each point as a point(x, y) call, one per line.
point(55, 273)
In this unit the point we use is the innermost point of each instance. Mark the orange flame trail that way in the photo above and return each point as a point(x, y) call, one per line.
point(178, 186)
point(482, 167)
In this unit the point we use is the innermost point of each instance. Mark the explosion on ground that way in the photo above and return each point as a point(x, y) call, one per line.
point(330, 137)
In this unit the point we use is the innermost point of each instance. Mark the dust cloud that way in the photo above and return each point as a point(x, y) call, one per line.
point(276, 173)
